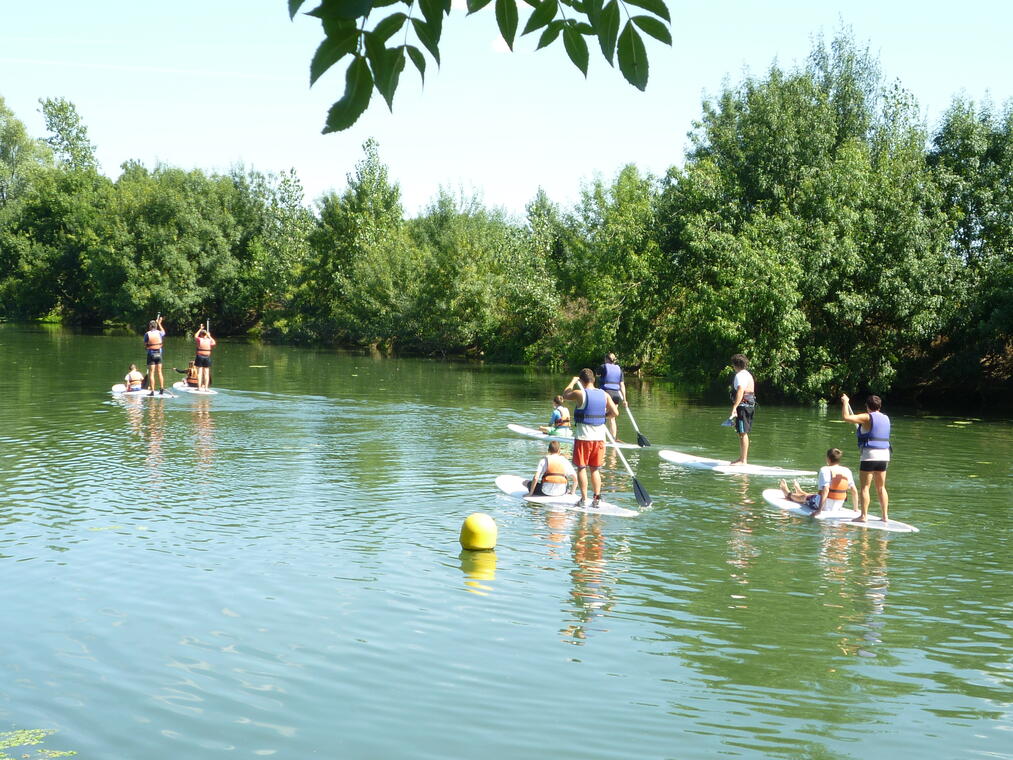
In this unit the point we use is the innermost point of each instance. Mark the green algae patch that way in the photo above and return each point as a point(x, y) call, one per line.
point(28, 738)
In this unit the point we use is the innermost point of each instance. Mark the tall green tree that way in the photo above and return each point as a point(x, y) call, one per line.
point(807, 231)
point(611, 274)
point(361, 272)
point(973, 154)
point(68, 135)
point(484, 290)
point(20, 155)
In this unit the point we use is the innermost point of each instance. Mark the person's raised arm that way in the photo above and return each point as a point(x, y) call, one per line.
point(848, 415)
point(574, 392)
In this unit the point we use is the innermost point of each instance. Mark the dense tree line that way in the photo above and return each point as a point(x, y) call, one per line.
point(815, 225)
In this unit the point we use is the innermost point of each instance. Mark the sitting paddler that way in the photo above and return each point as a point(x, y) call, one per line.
point(553, 474)
point(191, 374)
point(134, 380)
point(559, 422)
point(833, 484)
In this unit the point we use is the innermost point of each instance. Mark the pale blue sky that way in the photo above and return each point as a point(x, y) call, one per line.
point(212, 84)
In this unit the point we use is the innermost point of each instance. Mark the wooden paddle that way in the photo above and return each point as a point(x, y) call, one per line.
point(641, 439)
point(643, 498)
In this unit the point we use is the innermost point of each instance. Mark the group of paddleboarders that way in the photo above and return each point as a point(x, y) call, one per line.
point(835, 480)
point(593, 420)
point(597, 409)
point(198, 372)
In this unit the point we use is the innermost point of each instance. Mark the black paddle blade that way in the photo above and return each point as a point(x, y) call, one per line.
point(643, 498)
point(641, 441)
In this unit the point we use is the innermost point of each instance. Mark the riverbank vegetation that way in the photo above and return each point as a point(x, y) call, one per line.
point(816, 224)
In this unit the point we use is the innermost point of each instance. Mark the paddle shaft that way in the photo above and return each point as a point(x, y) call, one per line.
point(641, 439)
point(643, 498)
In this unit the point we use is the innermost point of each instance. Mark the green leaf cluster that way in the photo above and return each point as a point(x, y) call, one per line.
point(375, 46)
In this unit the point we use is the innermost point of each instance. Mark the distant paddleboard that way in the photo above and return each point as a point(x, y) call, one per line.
point(725, 467)
point(182, 387)
point(538, 434)
point(775, 498)
point(512, 485)
point(121, 390)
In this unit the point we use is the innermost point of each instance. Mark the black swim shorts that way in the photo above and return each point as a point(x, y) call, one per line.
point(744, 418)
point(872, 466)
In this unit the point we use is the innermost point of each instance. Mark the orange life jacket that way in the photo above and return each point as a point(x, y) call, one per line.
point(555, 469)
point(838, 488)
point(153, 340)
point(563, 421)
point(204, 346)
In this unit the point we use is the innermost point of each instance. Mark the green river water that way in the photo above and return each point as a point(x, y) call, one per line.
point(275, 571)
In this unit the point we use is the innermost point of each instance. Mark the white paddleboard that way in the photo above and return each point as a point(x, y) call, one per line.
point(533, 433)
point(512, 485)
point(121, 390)
point(182, 387)
point(775, 498)
point(725, 467)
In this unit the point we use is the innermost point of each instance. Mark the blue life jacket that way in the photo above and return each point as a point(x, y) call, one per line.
point(878, 436)
point(611, 376)
point(593, 410)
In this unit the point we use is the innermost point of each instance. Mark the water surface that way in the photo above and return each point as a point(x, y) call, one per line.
point(275, 571)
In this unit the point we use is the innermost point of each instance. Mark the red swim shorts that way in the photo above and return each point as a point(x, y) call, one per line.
point(588, 453)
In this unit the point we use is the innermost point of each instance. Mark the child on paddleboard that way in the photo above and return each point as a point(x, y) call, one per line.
point(191, 374)
point(134, 380)
point(559, 423)
point(833, 484)
point(554, 474)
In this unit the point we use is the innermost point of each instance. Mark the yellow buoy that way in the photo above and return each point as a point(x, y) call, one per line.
point(478, 532)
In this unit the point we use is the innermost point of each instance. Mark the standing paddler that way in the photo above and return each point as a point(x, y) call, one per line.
point(594, 409)
point(202, 361)
point(743, 405)
point(873, 431)
point(610, 380)
point(153, 340)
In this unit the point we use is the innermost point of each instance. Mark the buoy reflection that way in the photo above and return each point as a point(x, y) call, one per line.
point(478, 566)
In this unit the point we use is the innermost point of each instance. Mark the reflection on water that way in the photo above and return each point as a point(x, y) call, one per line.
point(204, 433)
point(478, 567)
point(154, 435)
point(590, 593)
